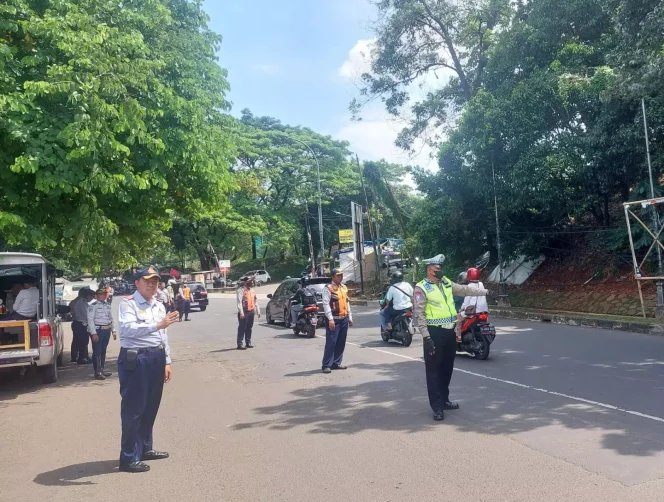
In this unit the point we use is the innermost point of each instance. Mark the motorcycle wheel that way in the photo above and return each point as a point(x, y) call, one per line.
point(407, 339)
point(311, 331)
point(385, 335)
point(483, 353)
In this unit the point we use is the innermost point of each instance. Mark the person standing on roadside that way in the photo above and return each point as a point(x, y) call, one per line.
point(79, 326)
point(185, 305)
point(435, 316)
point(144, 365)
point(171, 295)
point(162, 296)
point(247, 309)
point(339, 317)
point(100, 327)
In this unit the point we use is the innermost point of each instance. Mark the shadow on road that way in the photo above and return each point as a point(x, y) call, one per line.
point(394, 397)
point(231, 349)
point(74, 475)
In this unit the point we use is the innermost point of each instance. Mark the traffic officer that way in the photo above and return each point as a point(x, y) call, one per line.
point(144, 365)
point(100, 327)
point(79, 326)
point(338, 317)
point(247, 308)
point(435, 315)
point(184, 305)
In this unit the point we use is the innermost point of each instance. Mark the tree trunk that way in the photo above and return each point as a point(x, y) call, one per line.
point(253, 248)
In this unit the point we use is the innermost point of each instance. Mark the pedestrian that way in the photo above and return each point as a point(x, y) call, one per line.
point(162, 296)
point(247, 309)
point(111, 292)
point(144, 365)
point(26, 304)
point(185, 292)
point(100, 327)
point(338, 318)
point(79, 326)
point(435, 315)
point(171, 295)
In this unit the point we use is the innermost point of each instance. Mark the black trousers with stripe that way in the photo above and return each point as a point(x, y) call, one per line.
point(440, 365)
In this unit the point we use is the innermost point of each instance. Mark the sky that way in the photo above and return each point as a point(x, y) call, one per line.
point(299, 61)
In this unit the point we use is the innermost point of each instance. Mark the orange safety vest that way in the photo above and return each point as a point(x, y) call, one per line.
point(338, 300)
point(248, 297)
point(186, 294)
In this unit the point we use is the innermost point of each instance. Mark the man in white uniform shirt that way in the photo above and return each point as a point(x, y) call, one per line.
point(398, 300)
point(26, 303)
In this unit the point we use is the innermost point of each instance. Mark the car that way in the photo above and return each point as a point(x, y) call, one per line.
point(37, 342)
point(199, 296)
point(278, 306)
point(259, 276)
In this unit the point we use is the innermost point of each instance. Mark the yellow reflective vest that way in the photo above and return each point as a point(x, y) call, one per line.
point(440, 308)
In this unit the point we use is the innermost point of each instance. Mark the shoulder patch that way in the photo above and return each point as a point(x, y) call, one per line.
point(428, 286)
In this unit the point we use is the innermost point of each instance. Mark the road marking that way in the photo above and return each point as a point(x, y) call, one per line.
point(524, 386)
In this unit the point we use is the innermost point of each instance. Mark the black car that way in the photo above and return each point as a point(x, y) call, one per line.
point(199, 296)
point(278, 308)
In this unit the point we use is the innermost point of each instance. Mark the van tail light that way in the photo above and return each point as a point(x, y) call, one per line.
point(45, 335)
point(203, 293)
point(483, 317)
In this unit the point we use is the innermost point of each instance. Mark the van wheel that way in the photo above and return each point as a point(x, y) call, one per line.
point(203, 308)
point(287, 319)
point(49, 374)
point(268, 317)
point(60, 358)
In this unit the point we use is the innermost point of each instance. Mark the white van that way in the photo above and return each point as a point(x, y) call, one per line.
point(39, 341)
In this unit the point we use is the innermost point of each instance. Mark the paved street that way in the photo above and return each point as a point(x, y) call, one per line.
point(556, 413)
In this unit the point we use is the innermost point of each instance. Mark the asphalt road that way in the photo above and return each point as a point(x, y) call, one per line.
point(556, 413)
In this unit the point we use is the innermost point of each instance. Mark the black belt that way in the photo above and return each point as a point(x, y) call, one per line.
point(145, 350)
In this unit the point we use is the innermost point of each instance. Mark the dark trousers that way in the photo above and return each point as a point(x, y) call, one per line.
point(183, 309)
point(245, 327)
point(335, 342)
point(79, 341)
point(141, 390)
point(439, 367)
point(99, 349)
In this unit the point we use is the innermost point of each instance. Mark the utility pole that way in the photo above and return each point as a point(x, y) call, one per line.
point(659, 313)
point(373, 239)
point(503, 299)
point(312, 257)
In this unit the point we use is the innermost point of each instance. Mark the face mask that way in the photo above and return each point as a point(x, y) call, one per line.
point(439, 274)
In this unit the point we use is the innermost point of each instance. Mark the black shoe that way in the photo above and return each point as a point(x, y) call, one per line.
point(249, 346)
point(187, 319)
point(327, 370)
point(439, 416)
point(85, 360)
point(74, 361)
point(106, 373)
point(449, 405)
point(339, 367)
point(134, 467)
point(99, 376)
point(240, 347)
point(154, 455)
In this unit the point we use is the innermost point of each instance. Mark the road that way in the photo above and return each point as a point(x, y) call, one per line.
point(556, 413)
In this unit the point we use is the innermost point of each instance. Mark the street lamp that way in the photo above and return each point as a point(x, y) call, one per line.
point(320, 203)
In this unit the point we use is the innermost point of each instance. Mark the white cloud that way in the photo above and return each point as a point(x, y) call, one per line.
point(267, 69)
point(359, 60)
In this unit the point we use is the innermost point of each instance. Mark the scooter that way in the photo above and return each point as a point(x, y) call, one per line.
point(307, 321)
point(477, 335)
point(402, 329)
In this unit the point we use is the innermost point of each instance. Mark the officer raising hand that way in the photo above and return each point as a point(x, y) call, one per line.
point(144, 365)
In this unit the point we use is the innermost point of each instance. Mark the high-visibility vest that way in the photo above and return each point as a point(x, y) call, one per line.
point(186, 294)
point(440, 308)
point(248, 304)
point(338, 300)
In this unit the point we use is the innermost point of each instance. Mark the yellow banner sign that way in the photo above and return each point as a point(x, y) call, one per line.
point(346, 236)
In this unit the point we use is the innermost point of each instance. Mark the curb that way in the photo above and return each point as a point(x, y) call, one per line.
point(579, 320)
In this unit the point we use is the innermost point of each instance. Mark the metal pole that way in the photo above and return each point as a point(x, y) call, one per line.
point(659, 313)
point(637, 270)
point(503, 299)
point(320, 200)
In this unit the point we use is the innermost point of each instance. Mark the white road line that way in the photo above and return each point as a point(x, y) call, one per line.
point(524, 386)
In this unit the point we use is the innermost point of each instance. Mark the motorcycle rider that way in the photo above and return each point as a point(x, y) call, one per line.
point(435, 315)
point(397, 300)
point(479, 302)
point(303, 297)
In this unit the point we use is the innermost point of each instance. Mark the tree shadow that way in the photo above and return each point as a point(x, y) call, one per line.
point(74, 475)
point(397, 400)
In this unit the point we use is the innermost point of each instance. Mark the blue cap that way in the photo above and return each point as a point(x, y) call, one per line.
point(148, 272)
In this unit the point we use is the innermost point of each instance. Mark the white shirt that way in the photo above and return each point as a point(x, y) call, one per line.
point(398, 299)
point(27, 302)
point(478, 301)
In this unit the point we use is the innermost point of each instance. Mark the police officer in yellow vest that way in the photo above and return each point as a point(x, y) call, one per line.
point(435, 315)
point(338, 317)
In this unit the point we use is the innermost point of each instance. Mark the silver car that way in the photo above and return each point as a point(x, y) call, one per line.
point(39, 341)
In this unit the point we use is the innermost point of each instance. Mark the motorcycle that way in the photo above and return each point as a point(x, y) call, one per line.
point(307, 321)
point(477, 335)
point(402, 329)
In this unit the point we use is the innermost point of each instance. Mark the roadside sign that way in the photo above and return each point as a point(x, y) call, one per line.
point(346, 236)
point(225, 265)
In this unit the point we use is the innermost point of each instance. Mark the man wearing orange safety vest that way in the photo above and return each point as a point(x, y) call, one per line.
point(338, 316)
point(247, 308)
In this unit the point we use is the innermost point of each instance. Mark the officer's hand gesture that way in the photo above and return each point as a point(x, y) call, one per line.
point(350, 323)
point(331, 324)
point(429, 346)
point(168, 320)
point(168, 373)
point(241, 316)
point(115, 336)
point(95, 338)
